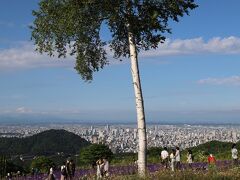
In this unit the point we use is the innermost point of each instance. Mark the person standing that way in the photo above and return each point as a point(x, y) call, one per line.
point(63, 172)
point(211, 159)
point(211, 162)
point(190, 159)
point(234, 154)
point(51, 176)
point(106, 167)
point(178, 158)
point(100, 166)
point(173, 159)
point(71, 169)
point(67, 168)
point(165, 157)
point(9, 176)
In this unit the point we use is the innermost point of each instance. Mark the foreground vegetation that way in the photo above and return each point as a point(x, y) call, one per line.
point(223, 171)
point(227, 174)
point(85, 155)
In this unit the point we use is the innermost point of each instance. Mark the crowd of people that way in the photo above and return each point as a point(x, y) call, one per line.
point(172, 159)
point(67, 171)
point(169, 159)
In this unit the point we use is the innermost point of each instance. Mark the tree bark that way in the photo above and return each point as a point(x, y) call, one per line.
point(142, 140)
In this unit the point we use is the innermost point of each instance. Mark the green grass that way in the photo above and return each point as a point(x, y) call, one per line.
point(230, 174)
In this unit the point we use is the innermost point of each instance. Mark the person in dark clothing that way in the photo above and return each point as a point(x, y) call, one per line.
point(63, 172)
point(70, 167)
point(51, 175)
point(234, 154)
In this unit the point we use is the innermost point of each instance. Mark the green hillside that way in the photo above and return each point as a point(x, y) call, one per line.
point(221, 150)
point(45, 143)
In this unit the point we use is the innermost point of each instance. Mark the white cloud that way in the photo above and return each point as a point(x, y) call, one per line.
point(23, 110)
point(23, 55)
point(233, 80)
point(216, 45)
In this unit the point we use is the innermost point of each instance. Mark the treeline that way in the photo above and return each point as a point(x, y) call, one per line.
point(45, 143)
point(221, 150)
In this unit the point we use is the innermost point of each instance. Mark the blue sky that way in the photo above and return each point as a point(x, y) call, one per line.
point(192, 78)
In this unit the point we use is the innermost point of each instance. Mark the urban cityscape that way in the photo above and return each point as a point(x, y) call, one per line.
point(123, 138)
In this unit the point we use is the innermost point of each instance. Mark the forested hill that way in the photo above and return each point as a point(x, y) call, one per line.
point(44, 143)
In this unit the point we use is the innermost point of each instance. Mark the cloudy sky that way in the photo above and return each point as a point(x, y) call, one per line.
point(194, 77)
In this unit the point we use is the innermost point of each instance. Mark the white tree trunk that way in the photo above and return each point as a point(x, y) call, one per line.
point(139, 107)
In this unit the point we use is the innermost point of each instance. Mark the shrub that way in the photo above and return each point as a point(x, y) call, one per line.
point(92, 153)
point(42, 164)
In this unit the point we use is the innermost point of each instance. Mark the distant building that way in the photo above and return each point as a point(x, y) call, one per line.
point(95, 139)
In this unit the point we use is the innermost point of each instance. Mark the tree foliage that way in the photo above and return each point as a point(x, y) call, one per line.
point(42, 164)
point(73, 26)
point(6, 166)
point(92, 153)
point(3, 166)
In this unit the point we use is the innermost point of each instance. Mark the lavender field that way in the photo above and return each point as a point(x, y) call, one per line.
point(119, 172)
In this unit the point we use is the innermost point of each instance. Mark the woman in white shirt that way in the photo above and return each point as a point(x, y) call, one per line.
point(165, 157)
point(172, 159)
point(100, 165)
point(190, 158)
point(177, 155)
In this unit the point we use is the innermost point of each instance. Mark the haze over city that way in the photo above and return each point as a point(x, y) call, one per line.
point(192, 78)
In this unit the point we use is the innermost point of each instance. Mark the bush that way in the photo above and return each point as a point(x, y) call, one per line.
point(92, 153)
point(42, 164)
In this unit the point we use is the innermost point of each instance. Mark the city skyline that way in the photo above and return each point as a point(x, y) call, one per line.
point(123, 138)
point(192, 77)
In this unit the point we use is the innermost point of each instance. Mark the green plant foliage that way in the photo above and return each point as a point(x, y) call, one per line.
point(73, 27)
point(45, 143)
point(42, 164)
point(3, 166)
point(221, 150)
point(153, 154)
point(7, 165)
point(228, 174)
point(92, 153)
point(124, 158)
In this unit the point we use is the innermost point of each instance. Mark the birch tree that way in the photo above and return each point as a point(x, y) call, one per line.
point(73, 26)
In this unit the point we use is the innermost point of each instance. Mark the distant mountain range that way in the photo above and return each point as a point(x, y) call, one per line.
point(45, 143)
